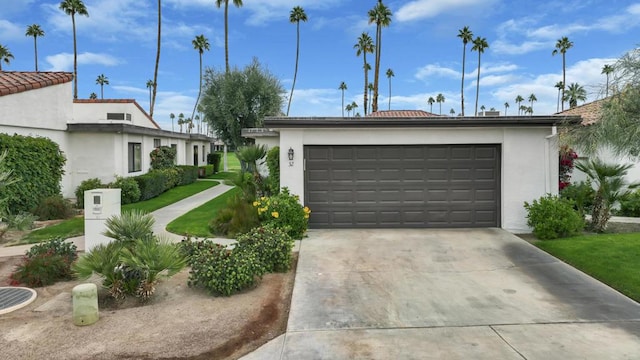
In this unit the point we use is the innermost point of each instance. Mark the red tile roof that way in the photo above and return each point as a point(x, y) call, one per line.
point(590, 112)
point(402, 113)
point(13, 82)
point(117, 101)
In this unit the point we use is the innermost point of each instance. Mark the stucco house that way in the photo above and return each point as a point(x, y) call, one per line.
point(404, 171)
point(100, 138)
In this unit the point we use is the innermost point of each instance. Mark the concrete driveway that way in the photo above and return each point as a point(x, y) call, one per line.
point(447, 294)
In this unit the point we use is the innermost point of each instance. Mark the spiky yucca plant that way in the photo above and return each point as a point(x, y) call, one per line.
point(130, 226)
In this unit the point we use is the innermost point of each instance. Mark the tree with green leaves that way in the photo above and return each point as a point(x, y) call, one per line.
point(238, 4)
point(201, 44)
point(102, 81)
point(562, 45)
point(574, 93)
point(150, 87)
point(240, 99)
point(482, 108)
point(381, 16)
point(452, 112)
point(93, 96)
point(532, 99)
point(354, 106)
point(181, 121)
point(172, 116)
point(36, 31)
point(296, 15)
point(5, 56)
point(440, 99)
point(370, 89)
point(389, 74)
point(430, 101)
point(71, 8)
point(342, 87)
point(364, 46)
point(506, 106)
point(559, 85)
point(519, 99)
point(466, 36)
point(349, 107)
point(479, 45)
point(607, 70)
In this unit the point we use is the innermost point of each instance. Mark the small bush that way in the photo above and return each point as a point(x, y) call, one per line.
point(23, 221)
point(221, 271)
point(130, 226)
point(552, 217)
point(129, 189)
point(630, 205)
point(52, 208)
point(237, 218)
point(46, 263)
point(163, 157)
point(189, 174)
point(208, 170)
point(151, 184)
point(284, 211)
point(273, 163)
point(214, 159)
point(86, 185)
point(272, 246)
point(173, 175)
point(581, 194)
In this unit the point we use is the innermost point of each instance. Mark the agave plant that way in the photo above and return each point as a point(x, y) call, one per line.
point(250, 155)
point(130, 226)
point(610, 187)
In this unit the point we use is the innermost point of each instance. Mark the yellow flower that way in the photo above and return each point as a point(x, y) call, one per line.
point(263, 198)
point(275, 214)
point(307, 210)
point(255, 203)
point(306, 216)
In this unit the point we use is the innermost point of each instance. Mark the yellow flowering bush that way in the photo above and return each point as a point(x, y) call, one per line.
point(285, 212)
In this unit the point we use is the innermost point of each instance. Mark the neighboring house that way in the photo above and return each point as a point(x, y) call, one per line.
point(403, 113)
point(100, 138)
point(590, 113)
point(439, 172)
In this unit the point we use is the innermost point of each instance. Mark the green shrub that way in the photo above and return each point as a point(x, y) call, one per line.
point(221, 271)
point(208, 170)
point(22, 221)
point(39, 164)
point(130, 226)
point(630, 205)
point(273, 163)
point(189, 174)
point(173, 175)
point(581, 194)
point(52, 208)
point(272, 246)
point(151, 184)
point(214, 159)
point(129, 189)
point(86, 185)
point(237, 218)
point(552, 217)
point(285, 212)
point(163, 157)
point(45, 264)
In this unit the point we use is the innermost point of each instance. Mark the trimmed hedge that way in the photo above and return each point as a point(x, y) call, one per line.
point(189, 174)
point(151, 184)
point(208, 170)
point(38, 163)
point(214, 159)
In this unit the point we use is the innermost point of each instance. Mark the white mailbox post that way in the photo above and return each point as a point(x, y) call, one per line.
point(99, 205)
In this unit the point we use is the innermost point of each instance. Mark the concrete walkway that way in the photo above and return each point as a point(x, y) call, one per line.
point(447, 294)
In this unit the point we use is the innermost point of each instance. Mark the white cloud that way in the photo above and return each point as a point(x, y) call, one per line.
point(424, 9)
point(11, 31)
point(435, 70)
point(64, 61)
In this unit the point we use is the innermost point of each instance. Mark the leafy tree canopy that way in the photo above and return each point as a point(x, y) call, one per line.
point(240, 99)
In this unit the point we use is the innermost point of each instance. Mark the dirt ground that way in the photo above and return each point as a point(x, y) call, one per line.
point(179, 322)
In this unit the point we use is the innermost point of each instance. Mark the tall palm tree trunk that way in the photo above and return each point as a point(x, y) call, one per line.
point(102, 91)
point(366, 82)
point(295, 73)
point(389, 93)
point(199, 90)
point(564, 81)
point(35, 48)
point(464, 56)
point(376, 74)
point(342, 102)
point(226, 35)
point(155, 72)
point(75, 58)
point(478, 84)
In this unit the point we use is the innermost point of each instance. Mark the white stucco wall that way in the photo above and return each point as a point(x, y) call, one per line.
point(608, 156)
point(528, 170)
point(96, 112)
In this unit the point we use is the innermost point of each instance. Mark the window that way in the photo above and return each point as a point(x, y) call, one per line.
point(203, 155)
point(135, 157)
point(156, 143)
point(118, 116)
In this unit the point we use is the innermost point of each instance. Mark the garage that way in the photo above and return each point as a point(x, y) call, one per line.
point(419, 186)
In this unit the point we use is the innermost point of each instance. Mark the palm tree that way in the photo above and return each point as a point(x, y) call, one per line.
point(430, 101)
point(532, 98)
point(354, 105)
point(181, 121)
point(381, 16)
point(296, 15)
point(93, 96)
point(150, 87)
point(155, 71)
point(73, 7)
point(102, 81)
point(452, 112)
point(482, 109)
point(237, 3)
point(35, 30)
point(575, 93)
point(201, 44)
point(343, 87)
point(390, 74)
point(364, 46)
point(519, 100)
point(528, 110)
point(370, 88)
point(523, 109)
point(440, 100)
point(562, 45)
point(479, 44)
point(348, 108)
point(466, 35)
point(506, 106)
point(5, 56)
point(172, 116)
point(607, 70)
point(559, 85)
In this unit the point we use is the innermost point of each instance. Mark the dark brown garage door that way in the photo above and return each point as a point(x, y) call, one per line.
point(432, 186)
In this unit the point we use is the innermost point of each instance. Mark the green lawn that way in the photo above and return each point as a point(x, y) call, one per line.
point(75, 227)
point(232, 161)
point(196, 221)
point(613, 259)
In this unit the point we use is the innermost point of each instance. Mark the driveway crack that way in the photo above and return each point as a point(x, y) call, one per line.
point(506, 342)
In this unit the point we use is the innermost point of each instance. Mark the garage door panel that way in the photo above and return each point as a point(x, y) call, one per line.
point(402, 186)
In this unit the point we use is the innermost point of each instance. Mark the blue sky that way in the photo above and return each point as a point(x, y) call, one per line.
point(118, 39)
